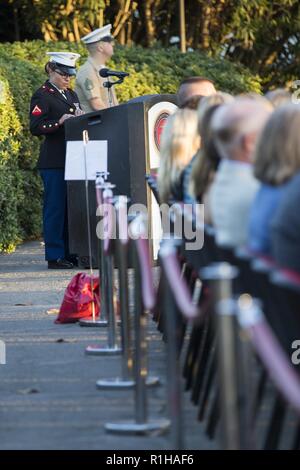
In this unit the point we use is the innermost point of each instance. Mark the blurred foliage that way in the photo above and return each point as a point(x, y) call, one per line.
point(10, 191)
point(20, 188)
point(264, 35)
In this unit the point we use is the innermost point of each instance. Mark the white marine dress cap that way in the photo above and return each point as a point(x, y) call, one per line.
point(98, 35)
point(65, 61)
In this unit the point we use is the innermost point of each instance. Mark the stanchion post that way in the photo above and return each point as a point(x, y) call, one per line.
point(85, 137)
point(248, 310)
point(108, 287)
point(220, 277)
point(140, 348)
point(141, 424)
point(100, 186)
point(102, 270)
point(228, 375)
point(127, 359)
point(112, 343)
point(174, 382)
point(121, 250)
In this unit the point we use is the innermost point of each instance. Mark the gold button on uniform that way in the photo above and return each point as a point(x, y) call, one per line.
point(71, 110)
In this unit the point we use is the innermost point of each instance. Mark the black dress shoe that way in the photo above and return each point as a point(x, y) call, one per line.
point(72, 259)
point(60, 263)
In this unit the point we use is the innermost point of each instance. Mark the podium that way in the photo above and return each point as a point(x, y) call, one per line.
point(132, 131)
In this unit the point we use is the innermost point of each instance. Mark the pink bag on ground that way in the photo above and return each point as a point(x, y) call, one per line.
point(77, 301)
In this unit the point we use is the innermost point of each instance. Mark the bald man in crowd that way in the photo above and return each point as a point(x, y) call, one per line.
point(236, 128)
point(192, 89)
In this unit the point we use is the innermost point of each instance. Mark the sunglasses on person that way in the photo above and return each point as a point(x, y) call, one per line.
point(63, 74)
point(109, 39)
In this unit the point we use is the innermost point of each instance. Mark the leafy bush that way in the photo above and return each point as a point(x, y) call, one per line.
point(10, 129)
point(21, 198)
point(151, 71)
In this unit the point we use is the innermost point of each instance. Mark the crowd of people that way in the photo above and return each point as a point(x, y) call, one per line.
point(240, 157)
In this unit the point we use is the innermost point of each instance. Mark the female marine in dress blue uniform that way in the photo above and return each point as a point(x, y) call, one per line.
point(50, 106)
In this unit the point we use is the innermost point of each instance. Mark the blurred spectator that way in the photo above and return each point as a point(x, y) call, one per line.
point(285, 230)
point(251, 95)
point(279, 97)
point(236, 127)
point(192, 89)
point(179, 142)
point(200, 172)
point(275, 162)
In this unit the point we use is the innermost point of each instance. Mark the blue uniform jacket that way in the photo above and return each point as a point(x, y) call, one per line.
point(46, 108)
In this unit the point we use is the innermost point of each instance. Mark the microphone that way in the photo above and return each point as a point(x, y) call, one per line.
point(104, 73)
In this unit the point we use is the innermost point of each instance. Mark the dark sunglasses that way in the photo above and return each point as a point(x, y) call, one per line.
point(108, 39)
point(63, 74)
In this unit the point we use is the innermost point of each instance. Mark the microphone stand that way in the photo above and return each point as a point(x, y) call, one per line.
point(109, 86)
point(86, 321)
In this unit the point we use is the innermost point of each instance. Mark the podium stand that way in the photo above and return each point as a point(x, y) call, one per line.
point(132, 131)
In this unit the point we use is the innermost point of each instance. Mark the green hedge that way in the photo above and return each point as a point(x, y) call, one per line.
point(22, 72)
point(20, 187)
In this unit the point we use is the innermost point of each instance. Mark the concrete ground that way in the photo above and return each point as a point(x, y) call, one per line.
point(48, 397)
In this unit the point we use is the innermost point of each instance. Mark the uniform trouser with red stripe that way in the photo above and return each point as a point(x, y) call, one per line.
point(55, 224)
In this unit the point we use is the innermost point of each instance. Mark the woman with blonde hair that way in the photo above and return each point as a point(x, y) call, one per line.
point(179, 142)
point(276, 161)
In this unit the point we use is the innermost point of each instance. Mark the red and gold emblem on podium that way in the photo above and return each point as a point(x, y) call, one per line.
point(158, 127)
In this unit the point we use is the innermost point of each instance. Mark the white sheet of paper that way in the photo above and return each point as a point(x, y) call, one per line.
point(96, 159)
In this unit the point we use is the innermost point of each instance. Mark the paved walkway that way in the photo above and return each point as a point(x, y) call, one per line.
point(48, 398)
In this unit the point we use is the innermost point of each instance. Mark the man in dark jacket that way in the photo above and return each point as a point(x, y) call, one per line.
point(50, 106)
